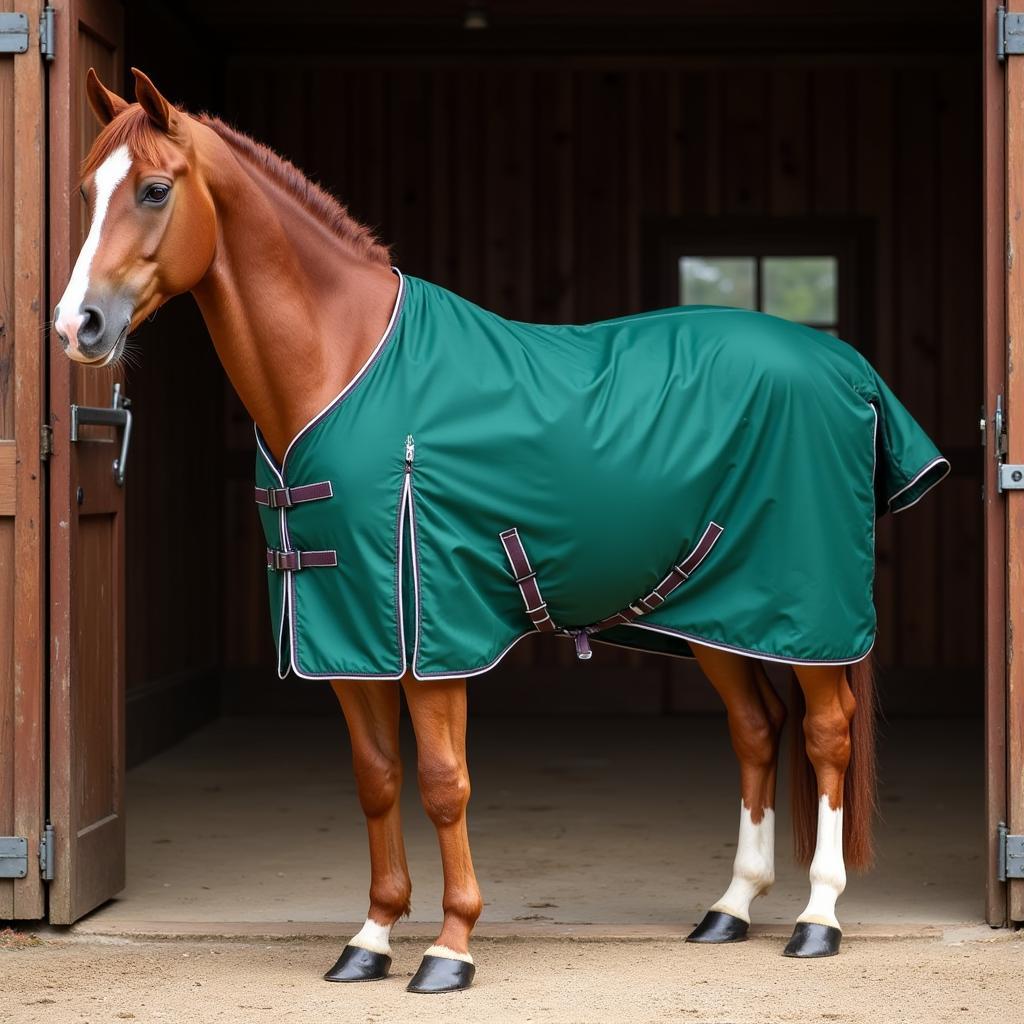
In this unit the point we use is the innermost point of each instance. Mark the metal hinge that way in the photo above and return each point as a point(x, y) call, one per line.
point(47, 845)
point(47, 37)
point(45, 442)
point(13, 856)
point(14, 33)
point(1009, 33)
point(1009, 854)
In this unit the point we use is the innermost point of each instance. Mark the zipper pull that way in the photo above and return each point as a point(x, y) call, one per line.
point(410, 453)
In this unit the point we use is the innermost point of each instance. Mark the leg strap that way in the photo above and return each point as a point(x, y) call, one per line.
point(526, 580)
point(675, 578)
point(537, 610)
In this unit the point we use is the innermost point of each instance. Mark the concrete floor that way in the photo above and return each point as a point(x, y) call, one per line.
point(588, 827)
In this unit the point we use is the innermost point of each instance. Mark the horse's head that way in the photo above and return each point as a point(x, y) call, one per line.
point(153, 231)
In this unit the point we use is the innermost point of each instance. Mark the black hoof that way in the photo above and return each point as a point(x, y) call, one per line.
point(811, 940)
point(719, 927)
point(441, 974)
point(358, 964)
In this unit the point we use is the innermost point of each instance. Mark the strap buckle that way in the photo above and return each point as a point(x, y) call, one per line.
point(279, 497)
point(285, 561)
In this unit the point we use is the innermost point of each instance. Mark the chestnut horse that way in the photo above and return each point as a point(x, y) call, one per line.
point(184, 203)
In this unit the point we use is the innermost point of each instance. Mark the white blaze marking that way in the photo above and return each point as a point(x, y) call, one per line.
point(449, 953)
point(828, 873)
point(374, 937)
point(753, 869)
point(108, 176)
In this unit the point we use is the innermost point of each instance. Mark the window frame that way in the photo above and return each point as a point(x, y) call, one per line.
point(848, 240)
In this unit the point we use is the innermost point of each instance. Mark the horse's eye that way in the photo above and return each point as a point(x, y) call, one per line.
point(156, 194)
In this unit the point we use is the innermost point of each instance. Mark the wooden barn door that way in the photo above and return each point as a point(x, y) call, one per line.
point(22, 492)
point(1005, 221)
point(87, 607)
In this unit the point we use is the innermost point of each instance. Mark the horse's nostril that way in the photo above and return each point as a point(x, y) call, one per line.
point(91, 329)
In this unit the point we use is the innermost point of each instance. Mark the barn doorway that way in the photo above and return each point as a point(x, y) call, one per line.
point(569, 168)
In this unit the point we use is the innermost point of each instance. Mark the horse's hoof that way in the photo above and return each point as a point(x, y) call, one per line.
point(441, 974)
point(358, 964)
point(810, 940)
point(719, 927)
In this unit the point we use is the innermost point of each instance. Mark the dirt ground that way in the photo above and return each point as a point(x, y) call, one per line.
point(974, 976)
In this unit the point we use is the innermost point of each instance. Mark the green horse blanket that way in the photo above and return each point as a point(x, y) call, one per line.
point(694, 474)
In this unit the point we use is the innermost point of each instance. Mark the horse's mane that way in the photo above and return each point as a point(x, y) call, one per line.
point(133, 128)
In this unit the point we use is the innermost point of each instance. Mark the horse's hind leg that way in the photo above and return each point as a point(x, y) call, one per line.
point(371, 710)
point(756, 716)
point(830, 707)
point(438, 711)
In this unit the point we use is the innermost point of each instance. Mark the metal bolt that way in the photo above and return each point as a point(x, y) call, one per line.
point(1017, 476)
point(80, 495)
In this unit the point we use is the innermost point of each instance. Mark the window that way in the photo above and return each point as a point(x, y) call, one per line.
point(804, 289)
point(817, 271)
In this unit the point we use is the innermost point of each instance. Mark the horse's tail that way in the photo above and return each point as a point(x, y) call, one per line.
point(860, 785)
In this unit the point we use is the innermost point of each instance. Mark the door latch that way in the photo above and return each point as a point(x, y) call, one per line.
point(1009, 475)
point(117, 415)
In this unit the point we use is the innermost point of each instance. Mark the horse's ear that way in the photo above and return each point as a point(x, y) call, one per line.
point(106, 105)
point(160, 111)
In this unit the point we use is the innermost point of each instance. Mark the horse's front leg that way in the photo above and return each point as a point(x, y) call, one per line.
point(438, 711)
point(830, 707)
point(371, 710)
point(756, 716)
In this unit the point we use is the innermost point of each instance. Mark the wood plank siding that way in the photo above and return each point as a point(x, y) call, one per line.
point(534, 189)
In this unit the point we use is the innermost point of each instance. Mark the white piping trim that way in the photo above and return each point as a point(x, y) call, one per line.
point(399, 601)
point(360, 373)
point(692, 638)
point(931, 465)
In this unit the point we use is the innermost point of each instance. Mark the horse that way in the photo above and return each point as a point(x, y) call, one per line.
point(185, 203)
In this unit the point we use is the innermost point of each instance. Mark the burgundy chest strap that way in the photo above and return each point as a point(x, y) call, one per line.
point(286, 497)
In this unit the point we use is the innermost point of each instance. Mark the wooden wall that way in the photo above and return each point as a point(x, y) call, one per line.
point(532, 188)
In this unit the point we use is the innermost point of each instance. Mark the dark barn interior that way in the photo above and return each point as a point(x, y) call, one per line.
point(555, 165)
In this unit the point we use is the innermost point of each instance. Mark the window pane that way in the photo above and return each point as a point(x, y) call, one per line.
point(717, 280)
point(801, 288)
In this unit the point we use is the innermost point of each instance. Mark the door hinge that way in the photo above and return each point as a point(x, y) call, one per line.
point(47, 37)
point(1009, 854)
point(47, 845)
point(14, 33)
point(45, 442)
point(13, 856)
point(1009, 33)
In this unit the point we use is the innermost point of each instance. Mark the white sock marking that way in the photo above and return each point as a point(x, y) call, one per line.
point(451, 954)
point(374, 937)
point(753, 869)
point(828, 873)
point(108, 176)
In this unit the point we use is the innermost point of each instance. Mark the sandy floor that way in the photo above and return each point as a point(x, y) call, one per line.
point(573, 822)
point(66, 980)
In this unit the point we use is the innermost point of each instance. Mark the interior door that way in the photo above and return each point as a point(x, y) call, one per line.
point(87, 607)
point(1006, 105)
point(22, 529)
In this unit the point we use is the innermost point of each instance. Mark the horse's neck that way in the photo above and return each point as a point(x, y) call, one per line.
point(293, 311)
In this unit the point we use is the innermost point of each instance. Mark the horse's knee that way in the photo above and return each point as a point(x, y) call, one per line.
point(378, 780)
point(444, 788)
